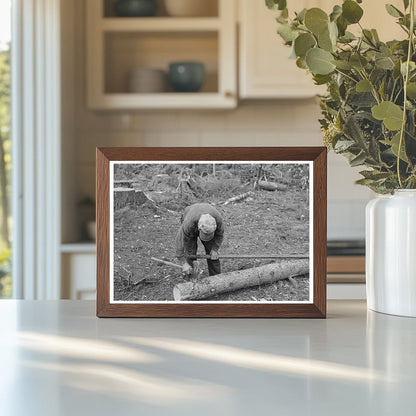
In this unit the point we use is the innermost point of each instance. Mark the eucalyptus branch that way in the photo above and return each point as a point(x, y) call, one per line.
point(346, 75)
point(373, 88)
point(392, 90)
point(406, 79)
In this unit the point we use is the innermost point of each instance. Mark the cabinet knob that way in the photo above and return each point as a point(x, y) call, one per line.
point(229, 94)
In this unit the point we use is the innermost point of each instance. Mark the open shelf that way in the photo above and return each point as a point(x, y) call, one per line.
point(160, 24)
point(126, 51)
point(116, 46)
point(210, 9)
point(167, 100)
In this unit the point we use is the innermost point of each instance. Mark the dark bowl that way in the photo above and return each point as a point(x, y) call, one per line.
point(186, 76)
point(135, 8)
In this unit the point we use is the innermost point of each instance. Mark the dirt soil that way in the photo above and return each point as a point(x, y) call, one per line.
point(268, 223)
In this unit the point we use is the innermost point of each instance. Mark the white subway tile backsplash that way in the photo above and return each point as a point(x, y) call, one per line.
point(170, 138)
point(202, 120)
point(146, 120)
point(346, 219)
point(231, 138)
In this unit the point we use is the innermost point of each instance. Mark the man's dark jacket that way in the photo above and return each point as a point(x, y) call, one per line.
point(187, 236)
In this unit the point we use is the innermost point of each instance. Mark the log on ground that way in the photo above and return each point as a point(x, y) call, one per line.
point(128, 197)
point(232, 281)
point(271, 186)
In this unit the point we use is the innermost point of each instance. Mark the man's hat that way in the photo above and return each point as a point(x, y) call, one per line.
point(206, 226)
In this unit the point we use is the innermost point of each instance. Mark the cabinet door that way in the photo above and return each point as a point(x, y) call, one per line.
point(376, 17)
point(266, 71)
point(78, 276)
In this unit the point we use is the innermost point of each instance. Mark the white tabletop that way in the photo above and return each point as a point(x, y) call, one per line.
point(57, 358)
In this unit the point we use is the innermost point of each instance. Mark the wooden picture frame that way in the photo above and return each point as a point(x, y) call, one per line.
point(311, 158)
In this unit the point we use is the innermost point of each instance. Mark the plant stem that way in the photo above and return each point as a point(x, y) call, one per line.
point(346, 75)
point(405, 81)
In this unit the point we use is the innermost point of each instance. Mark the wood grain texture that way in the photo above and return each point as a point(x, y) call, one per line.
point(346, 264)
point(316, 309)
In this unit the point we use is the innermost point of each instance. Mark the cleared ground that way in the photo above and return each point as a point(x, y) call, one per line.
point(265, 223)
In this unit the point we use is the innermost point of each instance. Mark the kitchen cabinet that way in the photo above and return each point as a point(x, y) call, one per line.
point(346, 275)
point(265, 70)
point(118, 45)
point(78, 263)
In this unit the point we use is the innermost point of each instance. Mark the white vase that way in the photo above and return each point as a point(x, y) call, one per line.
point(391, 253)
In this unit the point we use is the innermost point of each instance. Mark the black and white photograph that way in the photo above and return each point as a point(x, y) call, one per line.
point(211, 232)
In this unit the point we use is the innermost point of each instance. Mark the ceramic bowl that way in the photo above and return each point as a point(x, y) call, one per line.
point(186, 76)
point(135, 8)
point(147, 80)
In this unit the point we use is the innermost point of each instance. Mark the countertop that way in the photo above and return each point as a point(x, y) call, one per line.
point(57, 358)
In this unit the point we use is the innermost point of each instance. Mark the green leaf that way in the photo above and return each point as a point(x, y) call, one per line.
point(375, 35)
point(374, 174)
point(347, 37)
point(345, 65)
point(384, 62)
point(321, 79)
point(325, 42)
point(353, 131)
point(411, 90)
point(406, 4)
point(351, 11)
point(301, 63)
point(303, 43)
point(276, 4)
point(343, 145)
point(342, 25)
point(281, 19)
point(374, 150)
point(393, 11)
point(412, 67)
point(333, 32)
point(394, 144)
point(301, 15)
point(362, 99)
point(368, 36)
point(358, 160)
point(382, 89)
point(363, 86)
point(388, 112)
point(336, 12)
point(316, 20)
point(319, 61)
point(287, 33)
point(358, 61)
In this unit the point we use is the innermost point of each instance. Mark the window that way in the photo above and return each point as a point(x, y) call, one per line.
point(5, 147)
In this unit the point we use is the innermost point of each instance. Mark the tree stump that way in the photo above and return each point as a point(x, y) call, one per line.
point(132, 198)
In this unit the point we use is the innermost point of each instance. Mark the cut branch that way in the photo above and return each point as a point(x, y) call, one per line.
point(232, 281)
point(238, 198)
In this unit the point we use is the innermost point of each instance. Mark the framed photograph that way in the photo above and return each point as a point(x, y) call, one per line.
point(211, 232)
